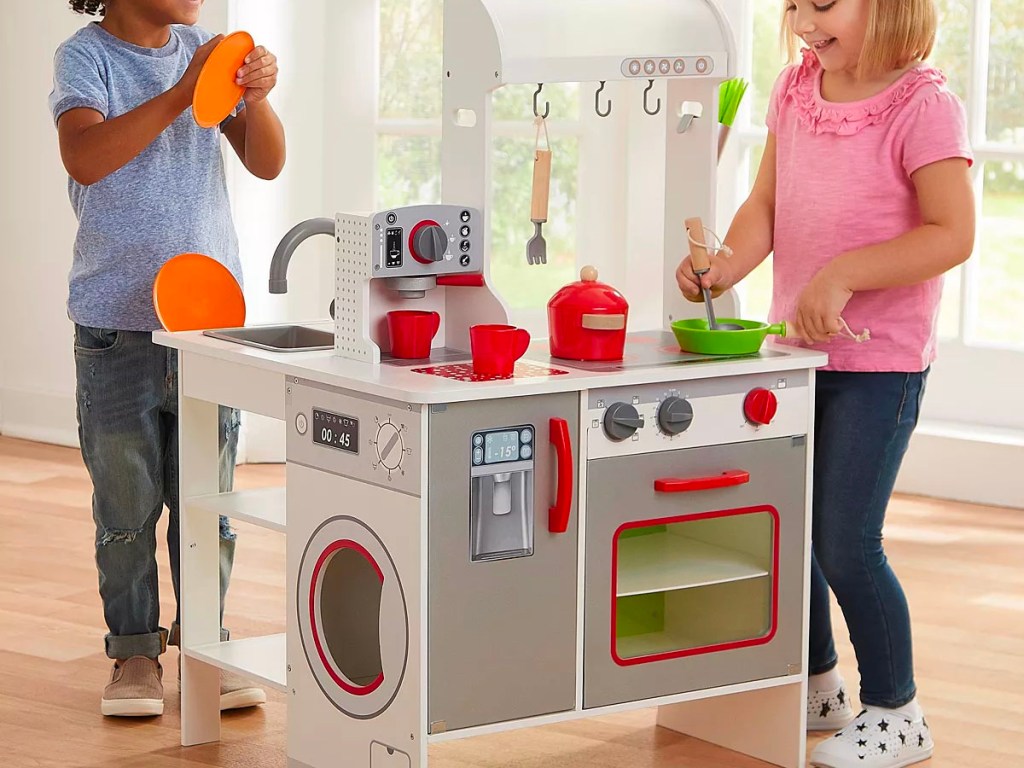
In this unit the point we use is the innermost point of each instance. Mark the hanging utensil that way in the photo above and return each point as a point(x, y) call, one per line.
point(536, 247)
point(701, 265)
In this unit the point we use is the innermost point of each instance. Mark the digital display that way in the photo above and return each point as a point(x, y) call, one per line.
point(500, 447)
point(336, 431)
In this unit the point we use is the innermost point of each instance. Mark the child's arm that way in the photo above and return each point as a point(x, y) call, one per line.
point(750, 236)
point(944, 240)
point(92, 148)
point(256, 134)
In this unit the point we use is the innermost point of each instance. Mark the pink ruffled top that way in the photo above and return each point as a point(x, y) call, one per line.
point(845, 119)
point(845, 181)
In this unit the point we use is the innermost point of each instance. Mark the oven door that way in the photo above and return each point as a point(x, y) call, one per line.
point(694, 569)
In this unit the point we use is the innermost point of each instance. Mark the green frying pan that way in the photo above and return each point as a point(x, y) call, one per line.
point(695, 336)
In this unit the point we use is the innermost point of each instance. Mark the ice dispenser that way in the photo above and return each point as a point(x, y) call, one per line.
point(501, 494)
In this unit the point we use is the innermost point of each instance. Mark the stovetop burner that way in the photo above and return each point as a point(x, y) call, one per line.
point(644, 349)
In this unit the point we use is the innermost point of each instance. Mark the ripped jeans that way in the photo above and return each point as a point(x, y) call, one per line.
point(127, 398)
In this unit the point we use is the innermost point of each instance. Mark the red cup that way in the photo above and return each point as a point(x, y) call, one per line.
point(411, 331)
point(496, 348)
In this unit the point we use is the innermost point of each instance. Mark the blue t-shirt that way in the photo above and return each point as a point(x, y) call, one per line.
point(170, 199)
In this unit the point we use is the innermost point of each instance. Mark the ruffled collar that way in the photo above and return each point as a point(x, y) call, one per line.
point(845, 119)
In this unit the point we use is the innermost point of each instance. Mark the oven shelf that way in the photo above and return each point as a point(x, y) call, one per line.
point(665, 562)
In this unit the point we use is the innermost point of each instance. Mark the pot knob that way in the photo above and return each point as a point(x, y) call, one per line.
point(675, 415)
point(760, 406)
point(429, 243)
point(621, 421)
point(588, 274)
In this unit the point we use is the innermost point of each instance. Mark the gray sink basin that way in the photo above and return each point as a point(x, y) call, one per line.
point(277, 338)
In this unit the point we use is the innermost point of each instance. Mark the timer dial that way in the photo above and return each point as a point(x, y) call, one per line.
point(390, 446)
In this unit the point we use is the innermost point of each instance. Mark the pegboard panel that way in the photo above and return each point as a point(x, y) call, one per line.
point(353, 257)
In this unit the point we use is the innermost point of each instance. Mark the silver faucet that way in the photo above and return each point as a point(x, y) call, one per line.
point(295, 237)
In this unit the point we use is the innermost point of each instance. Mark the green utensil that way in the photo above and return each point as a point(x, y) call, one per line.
point(695, 336)
point(730, 95)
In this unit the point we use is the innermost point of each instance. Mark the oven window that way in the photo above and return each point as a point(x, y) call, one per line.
point(694, 585)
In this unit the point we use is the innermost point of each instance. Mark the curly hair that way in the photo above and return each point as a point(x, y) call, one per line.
point(91, 7)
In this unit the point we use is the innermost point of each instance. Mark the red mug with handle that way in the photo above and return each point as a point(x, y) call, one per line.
point(496, 348)
point(411, 331)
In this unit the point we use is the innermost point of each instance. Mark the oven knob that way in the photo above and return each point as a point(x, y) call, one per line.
point(621, 421)
point(675, 415)
point(429, 242)
point(760, 406)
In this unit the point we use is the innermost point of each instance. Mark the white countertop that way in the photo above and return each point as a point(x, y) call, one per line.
point(400, 382)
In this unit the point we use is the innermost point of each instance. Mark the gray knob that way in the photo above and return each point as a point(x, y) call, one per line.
point(430, 243)
point(621, 421)
point(675, 415)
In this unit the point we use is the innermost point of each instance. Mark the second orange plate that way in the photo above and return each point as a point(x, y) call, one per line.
point(216, 92)
point(193, 292)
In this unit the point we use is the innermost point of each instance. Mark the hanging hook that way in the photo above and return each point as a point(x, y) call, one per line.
point(647, 109)
point(597, 102)
point(547, 104)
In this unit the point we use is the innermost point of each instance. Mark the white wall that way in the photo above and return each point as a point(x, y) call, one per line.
point(37, 381)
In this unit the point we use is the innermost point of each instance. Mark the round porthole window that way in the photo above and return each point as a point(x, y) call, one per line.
point(352, 616)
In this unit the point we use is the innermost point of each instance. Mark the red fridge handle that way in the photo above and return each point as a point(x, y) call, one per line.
point(680, 485)
point(558, 515)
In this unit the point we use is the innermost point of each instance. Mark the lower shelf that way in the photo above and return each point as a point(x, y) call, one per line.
point(261, 658)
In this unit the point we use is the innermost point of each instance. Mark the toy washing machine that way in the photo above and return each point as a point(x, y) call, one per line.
point(355, 577)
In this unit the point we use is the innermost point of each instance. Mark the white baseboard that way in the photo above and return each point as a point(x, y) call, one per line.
point(39, 416)
point(962, 462)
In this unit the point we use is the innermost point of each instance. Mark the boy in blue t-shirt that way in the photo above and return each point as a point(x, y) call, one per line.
point(146, 184)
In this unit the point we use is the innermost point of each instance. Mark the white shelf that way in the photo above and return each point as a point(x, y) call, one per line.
point(264, 507)
point(260, 658)
point(663, 562)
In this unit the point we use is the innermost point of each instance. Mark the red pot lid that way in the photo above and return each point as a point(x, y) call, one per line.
point(589, 296)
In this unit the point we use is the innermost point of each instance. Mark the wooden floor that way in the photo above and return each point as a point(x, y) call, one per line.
point(961, 565)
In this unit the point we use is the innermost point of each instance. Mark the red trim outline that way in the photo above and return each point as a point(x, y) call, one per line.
point(346, 686)
point(767, 638)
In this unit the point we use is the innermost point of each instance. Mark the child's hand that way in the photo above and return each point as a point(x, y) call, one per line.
point(187, 83)
point(819, 309)
point(719, 278)
point(258, 74)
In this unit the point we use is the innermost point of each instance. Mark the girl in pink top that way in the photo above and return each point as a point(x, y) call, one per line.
point(865, 197)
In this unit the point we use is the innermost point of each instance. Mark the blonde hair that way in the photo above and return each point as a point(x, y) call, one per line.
point(899, 33)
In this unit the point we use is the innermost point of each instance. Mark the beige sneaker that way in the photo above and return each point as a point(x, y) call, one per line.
point(135, 689)
point(236, 692)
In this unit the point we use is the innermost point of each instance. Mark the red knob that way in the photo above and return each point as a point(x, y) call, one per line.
point(760, 406)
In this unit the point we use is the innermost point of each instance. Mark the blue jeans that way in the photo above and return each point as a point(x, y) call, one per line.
point(864, 424)
point(127, 402)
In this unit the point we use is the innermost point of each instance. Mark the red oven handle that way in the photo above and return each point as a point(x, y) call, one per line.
point(727, 479)
point(558, 515)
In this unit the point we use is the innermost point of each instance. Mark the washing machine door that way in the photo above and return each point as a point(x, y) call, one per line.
point(353, 620)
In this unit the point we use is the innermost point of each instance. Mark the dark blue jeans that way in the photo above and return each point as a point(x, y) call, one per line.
point(864, 424)
point(128, 427)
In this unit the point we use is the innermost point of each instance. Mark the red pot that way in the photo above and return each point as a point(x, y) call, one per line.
point(587, 320)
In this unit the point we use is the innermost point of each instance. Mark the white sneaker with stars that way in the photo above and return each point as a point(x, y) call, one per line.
point(828, 710)
point(878, 738)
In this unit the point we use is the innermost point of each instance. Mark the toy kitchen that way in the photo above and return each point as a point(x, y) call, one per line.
point(485, 533)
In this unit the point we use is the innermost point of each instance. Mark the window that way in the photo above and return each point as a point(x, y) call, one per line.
point(409, 155)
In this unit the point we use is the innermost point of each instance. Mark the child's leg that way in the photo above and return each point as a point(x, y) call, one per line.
point(120, 380)
point(865, 424)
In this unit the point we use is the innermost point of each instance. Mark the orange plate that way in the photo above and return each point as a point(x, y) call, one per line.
point(216, 92)
point(193, 292)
